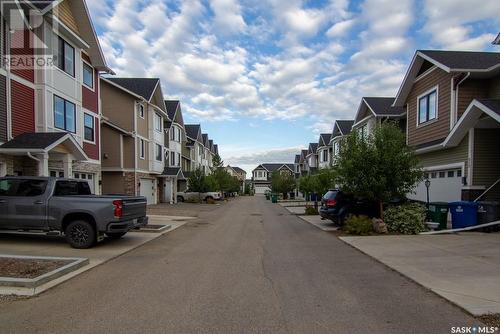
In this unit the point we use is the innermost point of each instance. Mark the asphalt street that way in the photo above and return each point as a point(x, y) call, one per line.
point(245, 267)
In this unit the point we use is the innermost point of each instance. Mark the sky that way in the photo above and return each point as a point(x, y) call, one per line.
point(265, 78)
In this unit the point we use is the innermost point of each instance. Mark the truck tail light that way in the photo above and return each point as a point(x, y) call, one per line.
point(118, 208)
point(331, 202)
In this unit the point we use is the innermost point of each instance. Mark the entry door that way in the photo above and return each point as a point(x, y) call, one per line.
point(147, 190)
point(168, 193)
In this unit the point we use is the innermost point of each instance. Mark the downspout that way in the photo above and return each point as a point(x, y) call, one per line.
point(471, 140)
point(32, 157)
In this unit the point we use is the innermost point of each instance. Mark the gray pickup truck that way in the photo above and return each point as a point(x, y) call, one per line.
point(67, 206)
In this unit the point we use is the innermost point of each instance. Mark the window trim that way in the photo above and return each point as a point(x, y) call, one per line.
point(158, 152)
point(142, 149)
point(93, 75)
point(54, 113)
point(93, 128)
point(156, 117)
point(63, 68)
point(424, 94)
point(142, 110)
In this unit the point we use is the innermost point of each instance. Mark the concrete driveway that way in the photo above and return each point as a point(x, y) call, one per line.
point(463, 268)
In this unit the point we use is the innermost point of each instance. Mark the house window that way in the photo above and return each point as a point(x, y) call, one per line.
point(88, 127)
point(141, 110)
point(158, 125)
point(451, 173)
point(364, 131)
point(336, 148)
point(325, 155)
point(66, 57)
point(88, 75)
point(158, 152)
point(142, 149)
point(64, 114)
point(459, 173)
point(442, 174)
point(427, 107)
point(172, 158)
point(178, 159)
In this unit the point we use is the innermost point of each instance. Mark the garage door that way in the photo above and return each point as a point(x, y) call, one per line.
point(446, 186)
point(260, 190)
point(148, 190)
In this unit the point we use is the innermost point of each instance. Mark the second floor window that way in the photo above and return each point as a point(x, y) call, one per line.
point(142, 149)
point(178, 160)
point(64, 114)
point(88, 123)
point(158, 152)
point(325, 155)
point(88, 75)
point(158, 121)
point(427, 107)
point(336, 148)
point(172, 159)
point(140, 109)
point(66, 57)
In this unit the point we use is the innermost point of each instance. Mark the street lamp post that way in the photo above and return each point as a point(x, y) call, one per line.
point(427, 186)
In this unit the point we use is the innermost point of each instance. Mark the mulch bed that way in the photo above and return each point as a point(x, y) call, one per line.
point(491, 319)
point(28, 268)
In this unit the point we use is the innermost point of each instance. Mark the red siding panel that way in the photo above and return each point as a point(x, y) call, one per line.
point(23, 109)
point(21, 40)
point(92, 150)
point(90, 99)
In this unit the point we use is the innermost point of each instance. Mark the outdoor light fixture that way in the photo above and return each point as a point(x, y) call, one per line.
point(427, 185)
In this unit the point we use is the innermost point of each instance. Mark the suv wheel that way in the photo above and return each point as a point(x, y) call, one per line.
point(80, 234)
point(180, 199)
point(116, 235)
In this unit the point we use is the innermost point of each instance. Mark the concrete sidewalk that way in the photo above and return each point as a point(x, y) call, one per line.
point(463, 268)
point(39, 245)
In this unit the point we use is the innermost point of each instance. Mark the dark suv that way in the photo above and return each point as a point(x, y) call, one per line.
point(336, 205)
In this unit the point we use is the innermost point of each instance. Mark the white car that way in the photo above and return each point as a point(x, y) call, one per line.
point(192, 195)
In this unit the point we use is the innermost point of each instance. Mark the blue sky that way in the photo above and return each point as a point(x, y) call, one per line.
point(264, 78)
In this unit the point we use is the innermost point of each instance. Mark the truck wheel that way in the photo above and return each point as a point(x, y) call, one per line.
point(116, 235)
point(80, 234)
point(180, 199)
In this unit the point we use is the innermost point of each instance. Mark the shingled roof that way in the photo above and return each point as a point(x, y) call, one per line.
point(272, 167)
point(324, 139)
point(34, 141)
point(345, 126)
point(192, 130)
point(171, 107)
point(313, 147)
point(467, 60)
point(382, 106)
point(144, 87)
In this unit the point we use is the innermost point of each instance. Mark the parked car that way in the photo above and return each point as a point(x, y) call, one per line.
point(194, 196)
point(67, 206)
point(337, 205)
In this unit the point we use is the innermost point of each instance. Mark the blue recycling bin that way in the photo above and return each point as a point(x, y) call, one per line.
point(463, 214)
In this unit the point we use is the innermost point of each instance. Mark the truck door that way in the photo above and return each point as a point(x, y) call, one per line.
point(27, 207)
point(5, 192)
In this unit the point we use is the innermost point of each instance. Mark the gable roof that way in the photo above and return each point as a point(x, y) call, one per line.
point(480, 63)
point(206, 143)
point(272, 167)
point(313, 147)
point(216, 149)
point(324, 139)
point(297, 158)
point(345, 126)
point(171, 107)
point(377, 107)
point(144, 87)
point(211, 145)
point(193, 130)
point(238, 170)
point(173, 171)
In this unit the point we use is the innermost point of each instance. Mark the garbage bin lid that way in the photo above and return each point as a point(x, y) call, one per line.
point(464, 203)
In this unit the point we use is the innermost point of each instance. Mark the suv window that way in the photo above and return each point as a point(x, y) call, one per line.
point(22, 188)
point(72, 188)
point(332, 194)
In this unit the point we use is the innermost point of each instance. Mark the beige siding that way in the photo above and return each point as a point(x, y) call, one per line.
point(486, 168)
point(113, 183)
point(468, 91)
point(142, 123)
point(117, 106)
point(110, 147)
point(143, 164)
point(452, 155)
point(158, 100)
point(441, 127)
point(63, 12)
point(129, 152)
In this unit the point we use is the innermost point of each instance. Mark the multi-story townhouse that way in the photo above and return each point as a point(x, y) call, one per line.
point(373, 111)
point(49, 113)
point(303, 166)
point(341, 129)
point(195, 146)
point(296, 165)
point(312, 158)
point(133, 138)
point(452, 100)
point(324, 150)
point(262, 174)
point(240, 174)
point(207, 155)
point(174, 139)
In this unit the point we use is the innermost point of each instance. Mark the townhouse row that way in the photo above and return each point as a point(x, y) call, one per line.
point(448, 105)
point(64, 114)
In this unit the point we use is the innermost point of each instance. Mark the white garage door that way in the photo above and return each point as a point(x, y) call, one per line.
point(148, 190)
point(446, 186)
point(260, 190)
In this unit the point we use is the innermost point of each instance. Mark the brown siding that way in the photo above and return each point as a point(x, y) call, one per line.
point(113, 183)
point(143, 164)
point(3, 109)
point(468, 91)
point(452, 155)
point(494, 91)
point(118, 106)
point(439, 128)
point(64, 13)
point(129, 152)
point(110, 147)
point(486, 168)
point(142, 123)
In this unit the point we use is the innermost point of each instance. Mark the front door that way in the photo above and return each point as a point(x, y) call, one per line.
point(168, 193)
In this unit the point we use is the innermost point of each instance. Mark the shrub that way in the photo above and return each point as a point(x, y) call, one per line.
point(406, 219)
point(311, 211)
point(358, 225)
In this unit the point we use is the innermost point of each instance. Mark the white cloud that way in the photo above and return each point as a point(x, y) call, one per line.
point(340, 28)
point(228, 18)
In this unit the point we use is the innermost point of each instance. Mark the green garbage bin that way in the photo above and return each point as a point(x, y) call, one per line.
point(267, 196)
point(438, 213)
point(275, 198)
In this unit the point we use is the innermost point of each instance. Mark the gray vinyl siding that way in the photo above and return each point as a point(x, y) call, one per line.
point(486, 168)
point(458, 154)
point(3, 109)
